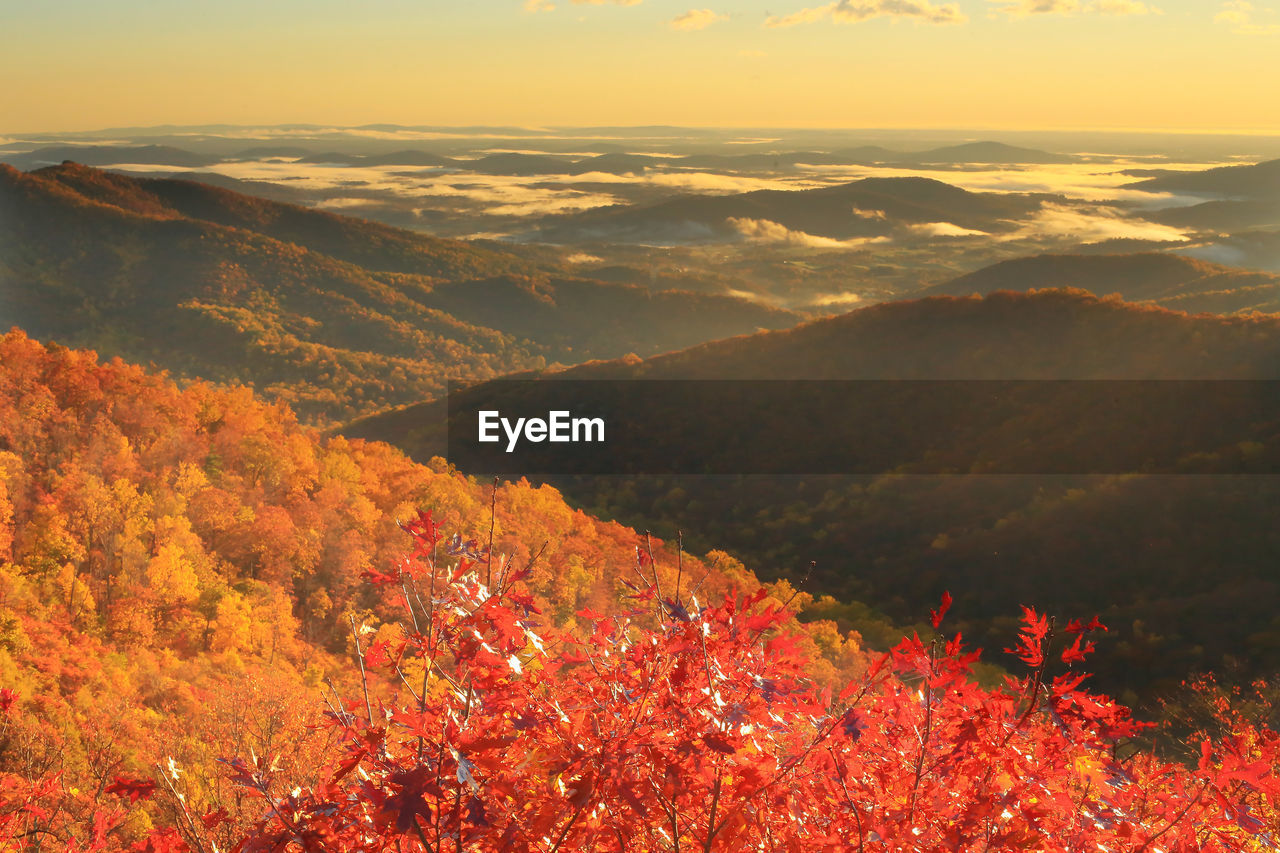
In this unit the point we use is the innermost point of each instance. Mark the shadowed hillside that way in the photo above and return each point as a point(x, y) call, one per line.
point(1179, 565)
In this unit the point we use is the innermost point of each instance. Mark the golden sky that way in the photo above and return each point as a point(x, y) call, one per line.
point(1018, 64)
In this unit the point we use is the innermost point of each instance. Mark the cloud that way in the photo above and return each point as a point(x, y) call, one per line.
point(776, 234)
point(696, 19)
point(1092, 224)
point(1238, 14)
point(1027, 8)
point(944, 229)
point(828, 300)
point(582, 258)
point(1235, 12)
point(1023, 8)
point(341, 203)
point(855, 11)
point(539, 6)
point(713, 182)
point(1122, 7)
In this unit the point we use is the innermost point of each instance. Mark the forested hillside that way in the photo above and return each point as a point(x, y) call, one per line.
point(1178, 563)
point(179, 572)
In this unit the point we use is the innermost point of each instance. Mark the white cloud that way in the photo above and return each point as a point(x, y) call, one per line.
point(713, 182)
point(1122, 7)
point(1092, 224)
point(855, 11)
point(829, 300)
point(1096, 182)
point(539, 6)
point(1238, 14)
point(696, 19)
point(1022, 8)
point(342, 202)
point(1027, 8)
point(774, 233)
point(1235, 12)
point(944, 229)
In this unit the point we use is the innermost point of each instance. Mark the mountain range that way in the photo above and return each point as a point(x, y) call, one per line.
point(336, 315)
point(518, 163)
point(867, 208)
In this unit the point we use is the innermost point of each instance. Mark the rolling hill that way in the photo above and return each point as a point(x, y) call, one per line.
point(1174, 281)
point(333, 314)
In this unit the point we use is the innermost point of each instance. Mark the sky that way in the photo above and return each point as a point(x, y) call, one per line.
point(1183, 65)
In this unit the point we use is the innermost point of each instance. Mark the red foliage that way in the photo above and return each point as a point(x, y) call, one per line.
point(684, 726)
point(676, 725)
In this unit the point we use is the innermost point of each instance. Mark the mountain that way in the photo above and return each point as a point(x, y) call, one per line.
point(1175, 281)
point(987, 152)
point(1179, 565)
point(108, 155)
point(869, 207)
point(518, 164)
point(336, 315)
point(1260, 180)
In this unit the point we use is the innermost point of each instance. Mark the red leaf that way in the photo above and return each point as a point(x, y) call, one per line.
point(935, 616)
point(719, 744)
point(376, 656)
point(134, 789)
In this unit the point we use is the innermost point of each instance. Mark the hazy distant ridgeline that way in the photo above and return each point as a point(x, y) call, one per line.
point(337, 315)
point(514, 163)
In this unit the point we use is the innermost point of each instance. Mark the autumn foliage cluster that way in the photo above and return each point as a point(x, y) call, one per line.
point(678, 725)
point(171, 682)
point(179, 569)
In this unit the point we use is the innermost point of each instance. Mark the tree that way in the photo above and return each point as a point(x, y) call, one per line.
point(678, 726)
